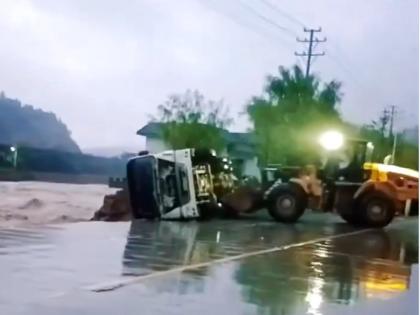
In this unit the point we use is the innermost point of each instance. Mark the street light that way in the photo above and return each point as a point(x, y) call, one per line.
point(14, 150)
point(331, 140)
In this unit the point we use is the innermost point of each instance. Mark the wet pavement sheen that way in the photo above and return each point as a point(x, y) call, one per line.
point(318, 266)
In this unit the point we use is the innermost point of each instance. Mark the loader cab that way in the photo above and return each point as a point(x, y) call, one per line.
point(346, 164)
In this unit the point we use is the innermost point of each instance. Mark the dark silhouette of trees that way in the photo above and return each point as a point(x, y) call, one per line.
point(26, 126)
point(291, 113)
point(191, 121)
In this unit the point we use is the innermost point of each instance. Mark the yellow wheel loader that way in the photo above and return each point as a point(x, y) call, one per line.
point(362, 192)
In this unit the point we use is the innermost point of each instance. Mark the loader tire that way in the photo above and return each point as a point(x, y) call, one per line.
point(352, 218)
point(350, 212)
point(286, 203)
point(377, 209)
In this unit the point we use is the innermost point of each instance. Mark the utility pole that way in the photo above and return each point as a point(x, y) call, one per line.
point(388, 138)
point(392, 136)
point(383, 122)
point(394, 148)
point(311, 41)
point(391, 121)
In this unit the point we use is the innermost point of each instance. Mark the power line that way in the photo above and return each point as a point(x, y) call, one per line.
point(283, 13)
point(311, 41)
point(267, 20)
point(243, 23)
point(360, 79)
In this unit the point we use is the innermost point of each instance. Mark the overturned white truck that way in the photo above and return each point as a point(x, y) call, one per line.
point(178, 184)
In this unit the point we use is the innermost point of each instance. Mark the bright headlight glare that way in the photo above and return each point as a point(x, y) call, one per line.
point(331, 140)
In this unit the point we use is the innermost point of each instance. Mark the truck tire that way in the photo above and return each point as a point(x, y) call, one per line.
point(286, 203)
point(376, 209)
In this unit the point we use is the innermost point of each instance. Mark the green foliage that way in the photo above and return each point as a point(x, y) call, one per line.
point(190, 121)
point(406, 154)
point(383, 146)
point(291, 114)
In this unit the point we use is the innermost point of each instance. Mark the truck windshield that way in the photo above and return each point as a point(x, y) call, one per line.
point(174, 191)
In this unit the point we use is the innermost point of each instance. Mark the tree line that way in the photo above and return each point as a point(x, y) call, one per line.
point(286, 118)
point(30, 159)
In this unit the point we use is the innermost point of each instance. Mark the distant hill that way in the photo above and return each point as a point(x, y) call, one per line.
point(27, 126)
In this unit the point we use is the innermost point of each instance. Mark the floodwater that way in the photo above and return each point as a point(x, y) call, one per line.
point(34, 203)
point(318, 266)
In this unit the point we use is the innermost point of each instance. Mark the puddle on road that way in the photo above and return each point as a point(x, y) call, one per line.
point(373, 271)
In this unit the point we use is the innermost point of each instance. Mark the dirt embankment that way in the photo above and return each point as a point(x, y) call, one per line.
point(115, 207)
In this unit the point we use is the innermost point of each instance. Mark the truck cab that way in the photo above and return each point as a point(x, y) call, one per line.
point(162, 185)
point(177, 184)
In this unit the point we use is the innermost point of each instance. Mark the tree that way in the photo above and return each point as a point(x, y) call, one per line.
point(376, 133)
point(292, 110)
point(406, 153)
point(190, 121)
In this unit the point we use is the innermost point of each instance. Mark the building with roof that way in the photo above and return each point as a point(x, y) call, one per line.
point(240, 147)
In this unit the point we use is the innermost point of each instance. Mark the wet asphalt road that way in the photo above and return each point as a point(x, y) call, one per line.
point(318, 266)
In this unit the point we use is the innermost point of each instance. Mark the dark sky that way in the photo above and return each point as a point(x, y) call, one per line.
point(104, 66)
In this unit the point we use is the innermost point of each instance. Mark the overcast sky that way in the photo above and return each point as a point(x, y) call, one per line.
point(104, 65)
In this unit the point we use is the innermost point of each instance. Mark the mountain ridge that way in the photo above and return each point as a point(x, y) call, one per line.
point(25, 125)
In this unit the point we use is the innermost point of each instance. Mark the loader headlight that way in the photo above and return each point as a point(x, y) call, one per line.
point(331, 140)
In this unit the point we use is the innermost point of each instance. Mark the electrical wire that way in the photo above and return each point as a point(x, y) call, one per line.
point(267, 20)
point(244, 24)
point(356, 79)
point(283, 13)
point(289, 32)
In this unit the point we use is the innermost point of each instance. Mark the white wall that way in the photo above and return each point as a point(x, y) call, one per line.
point(155, 145)
point(251, 168)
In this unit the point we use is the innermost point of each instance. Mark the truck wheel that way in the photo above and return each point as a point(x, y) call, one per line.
point(286, 203)
point(377, 209)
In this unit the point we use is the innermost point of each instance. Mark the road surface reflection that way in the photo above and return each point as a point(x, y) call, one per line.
point(371, 265)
